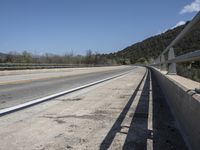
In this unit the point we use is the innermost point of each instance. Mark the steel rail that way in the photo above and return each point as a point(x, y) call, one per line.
point(172, 60)
point(191, 56)
point(185, 31)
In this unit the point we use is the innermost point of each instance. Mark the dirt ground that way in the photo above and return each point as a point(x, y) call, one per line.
point(112, 115)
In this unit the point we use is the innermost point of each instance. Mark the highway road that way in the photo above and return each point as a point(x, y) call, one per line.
point(15, 93)
point(128, 112)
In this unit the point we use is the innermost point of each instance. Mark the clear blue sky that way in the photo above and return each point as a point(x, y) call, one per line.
point(59, 26)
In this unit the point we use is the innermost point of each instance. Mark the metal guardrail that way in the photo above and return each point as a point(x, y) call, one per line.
point(192, 56)
point(16, 66)
point(169, 64)
point(185, 31)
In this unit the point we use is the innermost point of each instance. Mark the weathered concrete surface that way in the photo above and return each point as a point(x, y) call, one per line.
point(113, 115)
point(184, 103)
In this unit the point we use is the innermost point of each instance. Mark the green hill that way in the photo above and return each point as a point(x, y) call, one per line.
point(153, 46)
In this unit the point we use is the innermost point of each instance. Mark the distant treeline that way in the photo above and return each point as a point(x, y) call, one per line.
point(142, 52)
point(68, 58)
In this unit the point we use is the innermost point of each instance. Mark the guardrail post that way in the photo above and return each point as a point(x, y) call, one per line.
point(197, 90)
point(160, 65)
point(172, 66)
point(163, 65)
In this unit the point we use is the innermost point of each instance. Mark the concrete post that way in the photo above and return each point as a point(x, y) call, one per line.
point(197, 90)
point(172, 66)
point(163, 66)
point(160, 66)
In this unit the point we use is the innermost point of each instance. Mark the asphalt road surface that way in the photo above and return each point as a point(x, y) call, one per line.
point(18, 93)
point(127, 113)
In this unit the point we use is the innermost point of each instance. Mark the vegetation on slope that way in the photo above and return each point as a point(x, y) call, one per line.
point(25, 57)
point(150, 48)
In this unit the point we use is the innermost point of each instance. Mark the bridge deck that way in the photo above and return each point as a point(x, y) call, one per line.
point(124, 113)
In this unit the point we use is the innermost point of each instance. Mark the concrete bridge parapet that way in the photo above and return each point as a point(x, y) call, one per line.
point(184, 103)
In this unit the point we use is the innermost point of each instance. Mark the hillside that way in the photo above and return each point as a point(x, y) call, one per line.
point(3, 55)
point(146, 50)
point(153, 46)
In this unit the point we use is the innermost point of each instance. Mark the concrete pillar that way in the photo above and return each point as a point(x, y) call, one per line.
point(197, 90)
point(163, 66)
point(159, 62)
point(156, 61)
point(172, 66)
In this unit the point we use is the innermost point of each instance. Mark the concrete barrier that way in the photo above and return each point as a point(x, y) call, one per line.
point(185, 105)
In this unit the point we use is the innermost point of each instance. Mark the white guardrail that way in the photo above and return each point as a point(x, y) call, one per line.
point(169, 64)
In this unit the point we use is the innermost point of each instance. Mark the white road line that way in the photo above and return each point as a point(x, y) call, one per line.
point(40, 100)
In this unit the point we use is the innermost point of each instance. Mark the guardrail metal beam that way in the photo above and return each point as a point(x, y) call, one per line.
point(192, 56)
point(161, 63)
point(186, 30)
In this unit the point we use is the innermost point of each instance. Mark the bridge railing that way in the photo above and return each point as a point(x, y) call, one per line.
point(168, 63)
point(20, 66)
